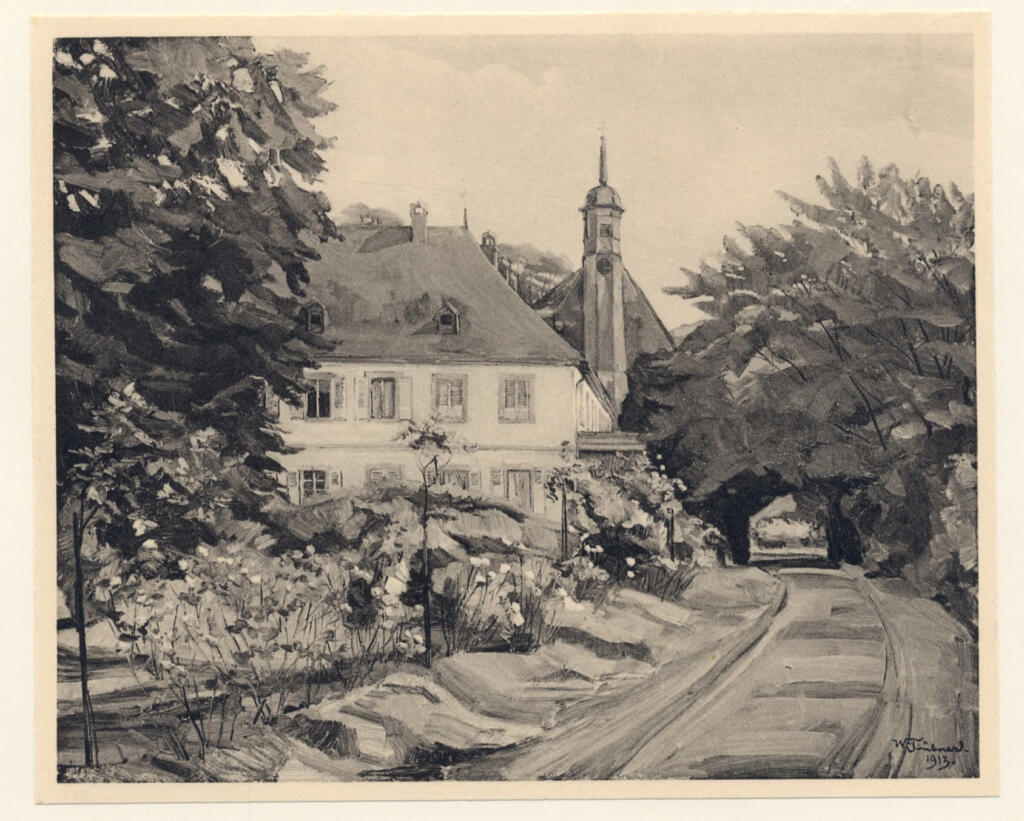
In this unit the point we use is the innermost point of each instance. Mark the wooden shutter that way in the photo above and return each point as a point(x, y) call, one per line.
point(339, 397)
point(335, 480)
point(404, 387)
point(362, 410)
point(293, 486)
point(474, 478)
point(538, 476)
point(504, 411)
point(496, 477)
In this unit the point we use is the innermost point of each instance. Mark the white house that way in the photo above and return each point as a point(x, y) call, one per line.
point(415, 322)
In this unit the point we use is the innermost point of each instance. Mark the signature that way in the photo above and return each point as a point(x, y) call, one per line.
point(937, 757)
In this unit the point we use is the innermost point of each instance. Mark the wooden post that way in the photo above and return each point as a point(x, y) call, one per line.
point(87, 728)
point(672, 533)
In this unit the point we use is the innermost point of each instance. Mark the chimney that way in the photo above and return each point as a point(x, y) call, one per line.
point(418, 220)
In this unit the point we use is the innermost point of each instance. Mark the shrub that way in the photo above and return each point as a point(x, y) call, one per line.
point(472, 603)
point(484, 604)
point(243, 626)
point(664, 578)
point(535, 605)
point(585, 580)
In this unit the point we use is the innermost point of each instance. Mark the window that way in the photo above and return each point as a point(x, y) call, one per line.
point(315, 318)
point(514, 402)
point(448, 322)
point(384, 474)
point(313, 482)
point(382, 398)
point(318, 398)
point(606, 230)
point(449, 403)
point(453, 477)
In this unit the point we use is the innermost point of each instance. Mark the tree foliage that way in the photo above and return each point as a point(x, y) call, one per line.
point(839, 358)
point(183, 217)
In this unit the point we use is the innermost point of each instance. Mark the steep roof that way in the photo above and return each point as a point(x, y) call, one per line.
point(383, 293)
point(645, 332)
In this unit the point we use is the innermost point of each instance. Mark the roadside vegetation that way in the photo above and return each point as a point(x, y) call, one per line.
point(837, 363)
point(239, 632)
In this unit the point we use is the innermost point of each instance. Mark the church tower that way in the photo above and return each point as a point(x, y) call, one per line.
point(604, 337)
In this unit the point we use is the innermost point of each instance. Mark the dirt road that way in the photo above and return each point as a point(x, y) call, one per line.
point(845, 682)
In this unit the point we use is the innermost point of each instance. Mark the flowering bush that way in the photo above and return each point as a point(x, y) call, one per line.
point(472, 603)
point(483, 603)
point(241, 626)
point(535, 605)
point(587, 581)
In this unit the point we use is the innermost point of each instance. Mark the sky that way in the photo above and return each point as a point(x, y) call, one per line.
point(702, 130)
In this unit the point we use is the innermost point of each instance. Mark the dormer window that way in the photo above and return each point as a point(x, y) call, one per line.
point(316, 318)
point(448, 321)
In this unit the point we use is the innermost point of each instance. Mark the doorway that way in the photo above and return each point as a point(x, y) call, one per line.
point(519, 488)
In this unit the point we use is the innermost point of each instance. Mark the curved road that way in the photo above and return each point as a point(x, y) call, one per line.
point(805, 701)
point(822, 693)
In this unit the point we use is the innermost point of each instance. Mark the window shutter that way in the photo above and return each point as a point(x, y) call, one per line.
point(293, 486)
point(439, 393)
point(503, 409)
point(272, 402)
point(496, 477)
point(474, 478)
point(404, 397)
point(538, 476)
point(335, 478)
point(362, 406)
point(459, 398)
point(339, 397)
point(298, 411)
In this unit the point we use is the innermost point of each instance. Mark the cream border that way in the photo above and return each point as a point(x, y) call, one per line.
point(46, 28)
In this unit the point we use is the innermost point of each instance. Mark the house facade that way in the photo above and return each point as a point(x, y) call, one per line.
point(511, 424)
point(410, 323)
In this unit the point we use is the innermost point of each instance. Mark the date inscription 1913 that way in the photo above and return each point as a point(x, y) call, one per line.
point(936, 758)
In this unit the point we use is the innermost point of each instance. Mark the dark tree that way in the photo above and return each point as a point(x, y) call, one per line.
point(839, 360)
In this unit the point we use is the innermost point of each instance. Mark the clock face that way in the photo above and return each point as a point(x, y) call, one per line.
point(604, 265)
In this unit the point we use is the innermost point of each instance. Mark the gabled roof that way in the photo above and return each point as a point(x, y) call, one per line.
point(645, 332)
point(383, 293)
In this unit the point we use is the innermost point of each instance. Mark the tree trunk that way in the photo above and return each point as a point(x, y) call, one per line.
point(565, 525)
point(671, 533)
point(735, 527)
point(88, 731)
point(843, 539)
point(426, 576)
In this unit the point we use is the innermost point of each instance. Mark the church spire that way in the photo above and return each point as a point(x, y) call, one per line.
point(602, 175)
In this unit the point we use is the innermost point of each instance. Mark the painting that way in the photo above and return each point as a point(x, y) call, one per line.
point(512, 405)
